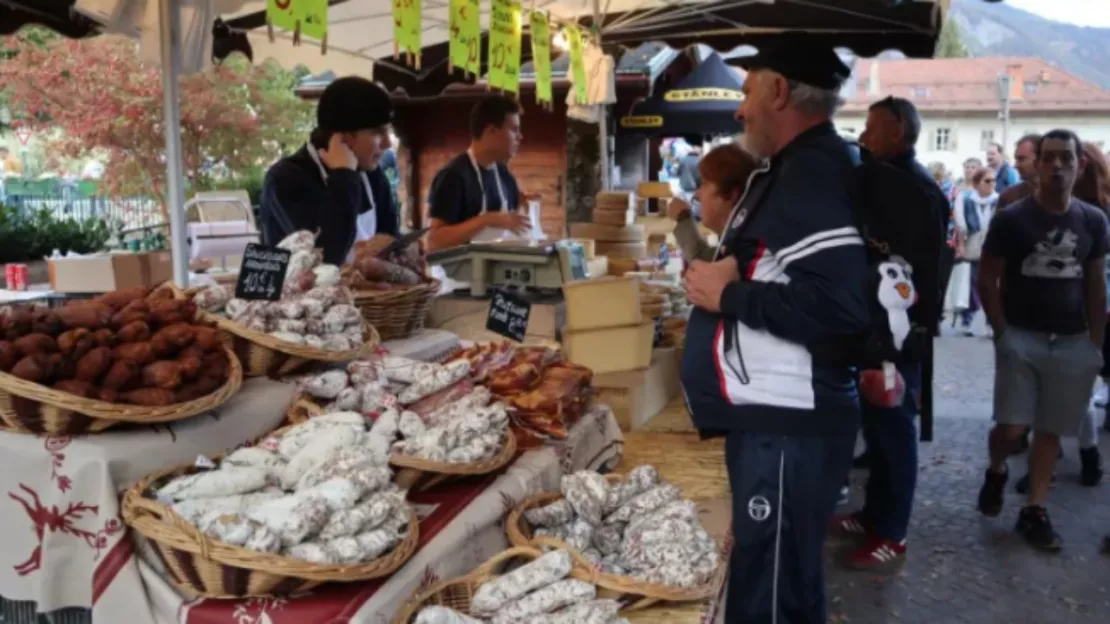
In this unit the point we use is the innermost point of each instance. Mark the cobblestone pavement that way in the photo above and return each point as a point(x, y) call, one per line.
point(962, 567)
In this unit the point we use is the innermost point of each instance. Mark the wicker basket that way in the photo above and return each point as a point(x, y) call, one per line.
point(263, 355)
point(398, 312)
point(27, 407)
point(456, 593)
point(634, 594)
point(414, 473)
point(216, 570)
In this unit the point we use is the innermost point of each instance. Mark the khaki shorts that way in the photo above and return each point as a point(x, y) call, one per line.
point(1044, 381)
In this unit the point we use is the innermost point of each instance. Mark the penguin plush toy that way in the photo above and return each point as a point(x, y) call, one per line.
point(880, 382)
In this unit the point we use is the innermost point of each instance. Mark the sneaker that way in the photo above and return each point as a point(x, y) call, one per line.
point(850, 526)
point(1090, 473)
point(990, 495)
point(1022, 486)
point(1033, 525)
point(877, 554)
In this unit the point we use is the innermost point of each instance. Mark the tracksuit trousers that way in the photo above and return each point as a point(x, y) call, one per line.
point(784, 491)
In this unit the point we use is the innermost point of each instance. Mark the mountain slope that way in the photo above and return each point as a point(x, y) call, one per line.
point(1002, 30)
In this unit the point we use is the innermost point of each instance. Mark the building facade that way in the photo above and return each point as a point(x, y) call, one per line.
point(961, 105)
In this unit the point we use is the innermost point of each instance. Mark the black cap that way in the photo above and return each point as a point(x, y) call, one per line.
point(800, 60)
point(352, 103)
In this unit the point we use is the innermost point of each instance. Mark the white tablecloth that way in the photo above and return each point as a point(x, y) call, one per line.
point(462, 526)
point(65, 545)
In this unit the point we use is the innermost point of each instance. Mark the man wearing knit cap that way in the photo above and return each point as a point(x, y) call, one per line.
point(333, 185)
point(788, 280)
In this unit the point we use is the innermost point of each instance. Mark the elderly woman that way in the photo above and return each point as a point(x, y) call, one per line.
point(724, 175)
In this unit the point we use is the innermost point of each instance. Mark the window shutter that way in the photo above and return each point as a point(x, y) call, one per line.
point(953, 142)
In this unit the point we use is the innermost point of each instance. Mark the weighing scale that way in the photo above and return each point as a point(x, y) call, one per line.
point(539, 266)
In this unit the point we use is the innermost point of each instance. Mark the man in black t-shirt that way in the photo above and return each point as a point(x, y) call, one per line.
point(1043, 284)
point(475, 195)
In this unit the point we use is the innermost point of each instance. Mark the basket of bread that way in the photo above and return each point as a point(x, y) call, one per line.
point(447, 427)
point(390, 286)
point(128, 356)
point(644, 543)
point(315, 319)
point(308, 504)
point(547, 589)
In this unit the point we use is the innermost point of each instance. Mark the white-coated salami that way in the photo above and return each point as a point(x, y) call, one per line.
point(587, 492)
point(545, 600)
point(439, 379)
point(496, 593)
point(227, 481)
point(649, 501)
point(318, 450)
point(295, 518)
point(313, 552)
point(638, 480)
point(590, 612)
point(436, 614)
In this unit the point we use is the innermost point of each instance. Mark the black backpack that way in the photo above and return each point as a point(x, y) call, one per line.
point(902, 221)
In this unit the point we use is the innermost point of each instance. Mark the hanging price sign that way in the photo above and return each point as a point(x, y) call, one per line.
point(541, 56)
point(465, 36)
point(577, 64)
point(406, 29)
point(309, 17)
point(506, 25)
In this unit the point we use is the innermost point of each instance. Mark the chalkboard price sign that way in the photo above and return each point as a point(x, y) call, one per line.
point(508, 315)
point(262, 273)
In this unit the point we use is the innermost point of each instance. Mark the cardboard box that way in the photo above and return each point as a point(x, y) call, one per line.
point(112, 271)
point(636, 397)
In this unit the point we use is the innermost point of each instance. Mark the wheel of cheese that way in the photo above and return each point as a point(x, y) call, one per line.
point(654, 189)
point(621, 266)
point(652, 299)
point(674, 324)
point(613, 200)
point(607, 233)
point(632, 251)
point(652, 310)
point(616, 218)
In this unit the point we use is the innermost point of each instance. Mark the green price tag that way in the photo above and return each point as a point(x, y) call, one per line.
point(406, 25)
point(506, 24)
point(314, 18)
point(577, 64)
point(465, 35)
point(282, 14)
point(541, 55)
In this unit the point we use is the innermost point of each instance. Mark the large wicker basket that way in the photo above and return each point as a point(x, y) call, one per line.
point(263, 355)
point(217, 570)
point(397, 312)
point(634, 594)
point(414, 473)
point(27, 407)
point(456, 593)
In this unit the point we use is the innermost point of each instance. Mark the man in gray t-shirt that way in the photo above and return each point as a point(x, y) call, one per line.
point(1041, 278)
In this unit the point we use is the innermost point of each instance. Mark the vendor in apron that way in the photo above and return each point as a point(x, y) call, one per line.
point(333, 185)
point(475, 197)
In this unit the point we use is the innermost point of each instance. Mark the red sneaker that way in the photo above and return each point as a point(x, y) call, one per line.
point(851, 526)
point(878, 553)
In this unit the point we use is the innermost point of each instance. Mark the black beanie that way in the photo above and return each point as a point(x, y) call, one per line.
point(352, 103)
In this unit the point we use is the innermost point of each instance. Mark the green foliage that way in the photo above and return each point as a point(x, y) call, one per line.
point(950, 43)
point(31, 235)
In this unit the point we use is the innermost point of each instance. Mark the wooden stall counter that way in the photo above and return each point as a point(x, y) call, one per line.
point(466, 316)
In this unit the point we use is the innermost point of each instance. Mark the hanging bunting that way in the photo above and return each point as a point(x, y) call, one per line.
point(541, 57)
point(577, 64)
point(406, 30)
point(465, 37)
point(282, 14)
point(314, 20)
point(505, 27)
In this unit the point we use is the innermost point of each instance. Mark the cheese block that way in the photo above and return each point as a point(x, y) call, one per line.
point(632, 251)
point(652, 310)
point(621, 266)
point(602, 302)
point(654, 189)
point(607, 233)
point(613, 200)
point(616, 218)
point(612, 349)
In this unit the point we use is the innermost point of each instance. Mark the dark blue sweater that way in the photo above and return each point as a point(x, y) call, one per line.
point(803, 266)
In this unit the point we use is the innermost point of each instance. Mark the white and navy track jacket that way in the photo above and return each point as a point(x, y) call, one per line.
point(802, 287)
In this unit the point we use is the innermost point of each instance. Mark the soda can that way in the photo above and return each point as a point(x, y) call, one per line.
point(22, 276)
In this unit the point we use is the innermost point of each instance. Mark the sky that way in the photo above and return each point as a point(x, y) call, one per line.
point(1082, 12)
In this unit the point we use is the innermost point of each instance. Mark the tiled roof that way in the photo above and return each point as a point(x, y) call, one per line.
point(971, 85)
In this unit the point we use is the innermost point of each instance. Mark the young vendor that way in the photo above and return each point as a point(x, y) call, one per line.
point(475, 197)
point(333, 185)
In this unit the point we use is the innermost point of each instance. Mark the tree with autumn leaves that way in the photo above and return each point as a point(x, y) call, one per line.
point(94, 99)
